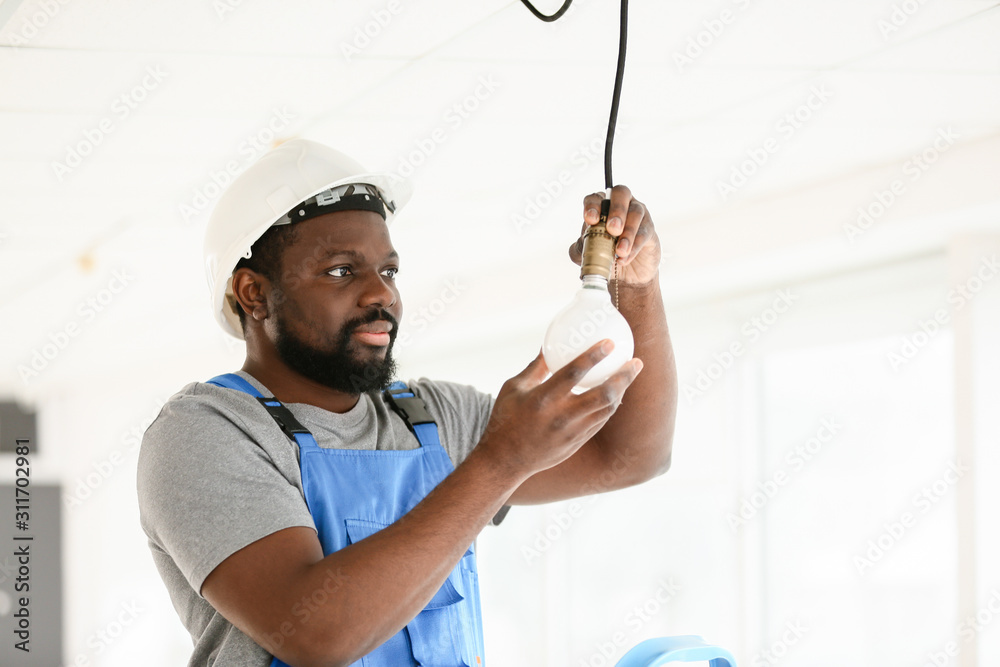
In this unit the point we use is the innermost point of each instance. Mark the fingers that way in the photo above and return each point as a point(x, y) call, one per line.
point(635, 232)
point(621, 196)
point(567, 377)
point(570, 375)
point(592, 208)
point(628, 219)
point(543, 422)
point(594, 407)
point(609, 393)
point(643, 235)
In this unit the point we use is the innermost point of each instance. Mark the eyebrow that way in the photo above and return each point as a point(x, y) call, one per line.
point(353, 254)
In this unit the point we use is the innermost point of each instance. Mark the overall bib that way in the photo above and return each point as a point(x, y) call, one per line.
point(353, 493)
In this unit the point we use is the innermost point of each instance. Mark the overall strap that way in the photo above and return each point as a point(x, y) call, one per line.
point(282, 415)
point(414, 412)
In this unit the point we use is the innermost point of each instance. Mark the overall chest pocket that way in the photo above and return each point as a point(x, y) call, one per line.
point(439, 636)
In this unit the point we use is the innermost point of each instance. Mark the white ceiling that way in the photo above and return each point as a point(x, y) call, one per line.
point(681, 131)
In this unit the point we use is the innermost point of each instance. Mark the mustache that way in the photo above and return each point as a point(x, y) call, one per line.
point(373, 315)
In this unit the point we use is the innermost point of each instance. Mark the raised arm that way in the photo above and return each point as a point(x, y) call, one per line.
point(635, 444)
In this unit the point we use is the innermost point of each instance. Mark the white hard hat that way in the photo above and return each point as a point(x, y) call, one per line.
point(282, 178)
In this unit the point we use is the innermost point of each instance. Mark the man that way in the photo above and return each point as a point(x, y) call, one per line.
point(291, 512)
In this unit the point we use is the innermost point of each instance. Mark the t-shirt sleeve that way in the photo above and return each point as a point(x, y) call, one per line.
point(207, 488)
point(462, 413)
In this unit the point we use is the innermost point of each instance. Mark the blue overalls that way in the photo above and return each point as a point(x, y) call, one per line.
point(354, 493)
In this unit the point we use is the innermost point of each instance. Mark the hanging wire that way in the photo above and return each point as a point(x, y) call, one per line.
point(616, 96)
point(619, 76)
point(548, 19)
point(612, 120)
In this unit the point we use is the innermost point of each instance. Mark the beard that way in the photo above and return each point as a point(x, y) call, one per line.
point(338, 364)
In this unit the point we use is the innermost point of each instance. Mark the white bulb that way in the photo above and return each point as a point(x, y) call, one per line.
point(589, 318)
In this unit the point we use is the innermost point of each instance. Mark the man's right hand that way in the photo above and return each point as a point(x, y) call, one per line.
point(538, 423)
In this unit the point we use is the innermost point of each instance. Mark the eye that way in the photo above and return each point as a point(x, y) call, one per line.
point(339, 272)
point(390, 273)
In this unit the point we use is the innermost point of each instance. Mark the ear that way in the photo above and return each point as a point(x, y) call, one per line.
point(250, 289)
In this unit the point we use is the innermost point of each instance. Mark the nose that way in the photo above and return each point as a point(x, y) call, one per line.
point(377, 290)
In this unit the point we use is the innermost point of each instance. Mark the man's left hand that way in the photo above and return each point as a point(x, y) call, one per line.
point(638, 247)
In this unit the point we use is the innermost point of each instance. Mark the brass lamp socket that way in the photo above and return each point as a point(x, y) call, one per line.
point(598, 247)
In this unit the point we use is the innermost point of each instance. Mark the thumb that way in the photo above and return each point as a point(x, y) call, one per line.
point(576, 251)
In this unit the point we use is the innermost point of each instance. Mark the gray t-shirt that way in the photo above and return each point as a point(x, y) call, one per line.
point(217, 473)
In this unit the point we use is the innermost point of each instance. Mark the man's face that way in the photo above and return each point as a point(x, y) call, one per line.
point(336, 305)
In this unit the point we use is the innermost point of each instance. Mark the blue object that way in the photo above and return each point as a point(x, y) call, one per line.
point(683, 648)
point(354, 493)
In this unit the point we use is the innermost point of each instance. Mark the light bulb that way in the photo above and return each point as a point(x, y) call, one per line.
point(589, 318)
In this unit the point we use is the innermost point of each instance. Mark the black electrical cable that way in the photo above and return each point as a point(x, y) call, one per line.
point(619, 76)
point(548, 19)
point(616, 95)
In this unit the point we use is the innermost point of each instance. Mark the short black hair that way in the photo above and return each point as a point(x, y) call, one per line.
point(265, 257)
